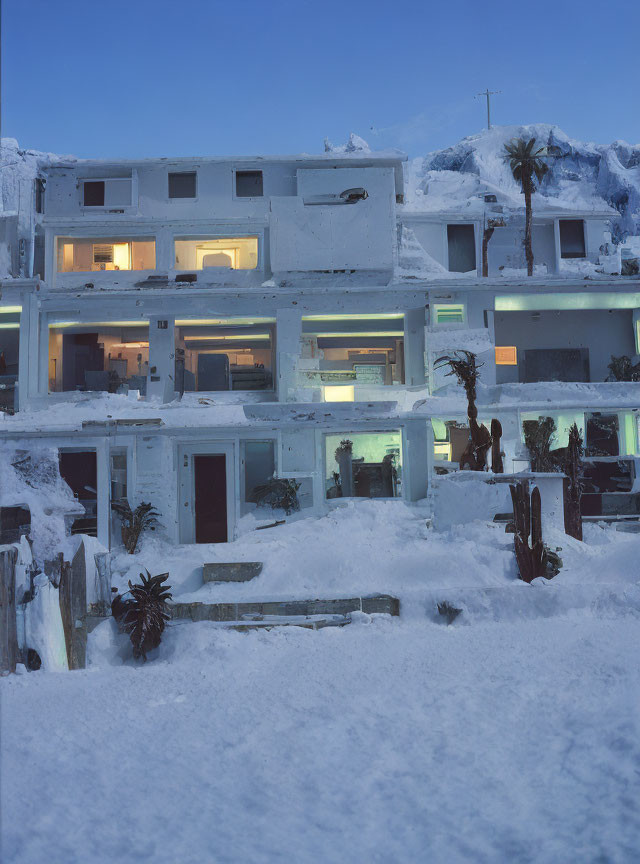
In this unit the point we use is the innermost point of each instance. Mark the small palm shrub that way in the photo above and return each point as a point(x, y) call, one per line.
point(623, 369)
point(278, 493)
point(143, 615)
point(134, 522)
point(538, 437)
point(448, 611)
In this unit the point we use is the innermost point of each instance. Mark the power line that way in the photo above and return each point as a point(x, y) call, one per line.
point(488, 93)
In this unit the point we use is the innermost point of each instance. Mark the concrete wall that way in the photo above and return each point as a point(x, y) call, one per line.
point(603, 332)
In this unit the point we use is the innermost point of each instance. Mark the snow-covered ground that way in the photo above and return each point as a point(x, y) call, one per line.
point(385, 741)
point(511, 735)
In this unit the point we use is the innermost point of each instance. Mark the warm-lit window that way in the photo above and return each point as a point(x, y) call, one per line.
point(339, 393)
point(249, 184)
point(506, 355)
point(229, 354)
point(106, 356)
point(182, 184)
point(80, 255)
point(450, 313)
point(350, 349)
point(201, 253)
point(114, 192)
point(363, 465)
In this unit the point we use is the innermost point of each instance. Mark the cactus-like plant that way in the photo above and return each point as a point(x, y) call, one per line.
point(134, 522)
point(527, 517)
point(497, 465)
point(143, 615)
point(573, 468)
point(538, 435)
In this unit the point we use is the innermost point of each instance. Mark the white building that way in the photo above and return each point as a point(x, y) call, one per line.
point(182, 330)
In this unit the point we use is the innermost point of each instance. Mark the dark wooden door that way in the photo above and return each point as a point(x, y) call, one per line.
point(210, 481)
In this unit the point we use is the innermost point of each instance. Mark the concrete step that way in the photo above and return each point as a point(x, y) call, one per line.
point(266, 622)
point(228, 612)
point(239, 571)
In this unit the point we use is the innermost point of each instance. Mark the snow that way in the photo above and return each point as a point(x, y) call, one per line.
point(382, 741)
point(507, 736)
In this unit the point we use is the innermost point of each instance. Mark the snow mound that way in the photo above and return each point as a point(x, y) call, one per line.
point(581, 176)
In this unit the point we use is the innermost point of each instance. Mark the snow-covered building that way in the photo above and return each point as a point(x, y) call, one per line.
point(182, 330)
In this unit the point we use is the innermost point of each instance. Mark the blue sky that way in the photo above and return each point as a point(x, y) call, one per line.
point(160, 77)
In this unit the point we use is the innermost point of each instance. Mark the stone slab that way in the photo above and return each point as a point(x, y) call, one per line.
point(375, 604)
point(239, 571)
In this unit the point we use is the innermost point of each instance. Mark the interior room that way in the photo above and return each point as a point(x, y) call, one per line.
point(86, 254)
point(92, 356)
point(363, 465)
point(225, 354)
point(202, 253)
point(9, 351)
point(352, 349)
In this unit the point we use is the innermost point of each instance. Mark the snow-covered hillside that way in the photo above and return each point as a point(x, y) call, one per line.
point(581, 175)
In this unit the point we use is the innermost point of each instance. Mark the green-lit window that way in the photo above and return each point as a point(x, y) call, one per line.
point(450, 313)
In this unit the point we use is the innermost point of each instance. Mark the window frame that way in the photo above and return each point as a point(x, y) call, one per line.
point(82, 181)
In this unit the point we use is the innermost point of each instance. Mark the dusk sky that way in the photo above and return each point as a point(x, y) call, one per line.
point(158, 77)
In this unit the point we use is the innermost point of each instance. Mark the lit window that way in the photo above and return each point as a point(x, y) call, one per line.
point(249, 184)
point(340, 393)
point(182, 184)
point(452, 313)
point(84, 255)
point(506, 355)
point(363, 465)
point(200, 253)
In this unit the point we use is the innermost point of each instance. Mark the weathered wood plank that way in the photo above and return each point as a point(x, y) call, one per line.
point(73, 608)
point(9, 652)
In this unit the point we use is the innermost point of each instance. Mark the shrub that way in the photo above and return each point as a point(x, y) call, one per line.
point(448, 611)
point(538, 435)
point(143, 615)
point(134, 522)
point(278, 493)
point(622, 369)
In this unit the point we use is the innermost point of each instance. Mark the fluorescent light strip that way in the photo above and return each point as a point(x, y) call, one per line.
point(373, 316)
point(219, 322)
point(564, 301)
point(365, 334)
point(61, 324)
point(8, 310)
point(230, 338)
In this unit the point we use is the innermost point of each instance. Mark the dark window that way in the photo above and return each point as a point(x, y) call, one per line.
point(94, 193)
point(572, 238)
point(182, 184)
point(248, 184)
point(555, 364)
point(39, 195)
point(462, 248)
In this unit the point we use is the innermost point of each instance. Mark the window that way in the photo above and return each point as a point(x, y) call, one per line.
point(98, 356)
point(182, 184)
point(451, 313)
point(9, 353)
point(94, 194)
point(259, 464)
point(39, 190)
point(113, 192)
point(85, 255)
point(462, 248)
point(363, 465)
point(346, 350)
point(572, 238)
point(248, 184)
point(226, 354)
point(202, 253)
point(506, 355)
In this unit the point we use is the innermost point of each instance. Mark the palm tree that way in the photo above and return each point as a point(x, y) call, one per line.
point(526, 166)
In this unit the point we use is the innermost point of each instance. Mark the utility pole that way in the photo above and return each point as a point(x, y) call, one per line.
point(489, 93)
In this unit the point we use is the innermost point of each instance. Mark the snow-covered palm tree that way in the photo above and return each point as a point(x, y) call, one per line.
point(526, 166)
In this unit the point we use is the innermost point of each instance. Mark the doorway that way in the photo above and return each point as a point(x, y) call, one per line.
point(79, 470)
point(210, 497)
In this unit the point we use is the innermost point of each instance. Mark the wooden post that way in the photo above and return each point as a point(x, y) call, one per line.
point(73, 608)
point(9, 653)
